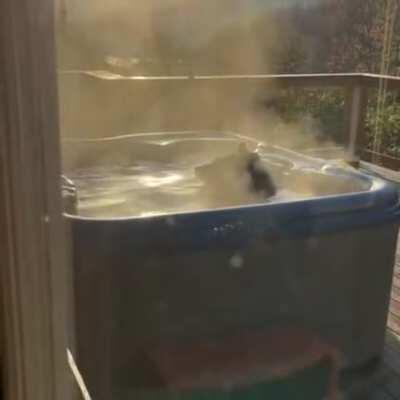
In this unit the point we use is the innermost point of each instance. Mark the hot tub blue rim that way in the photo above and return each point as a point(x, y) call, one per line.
point(382, 195)
point(237, 227)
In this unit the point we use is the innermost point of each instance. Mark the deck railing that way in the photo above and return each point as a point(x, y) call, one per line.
point(356, 86)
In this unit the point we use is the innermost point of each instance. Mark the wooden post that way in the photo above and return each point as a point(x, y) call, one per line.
point(34, 268)
point(357, 102)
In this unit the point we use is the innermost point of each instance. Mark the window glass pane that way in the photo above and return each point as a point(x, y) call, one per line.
point(219, 231)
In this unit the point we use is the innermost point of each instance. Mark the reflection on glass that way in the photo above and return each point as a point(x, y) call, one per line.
point(218, 239)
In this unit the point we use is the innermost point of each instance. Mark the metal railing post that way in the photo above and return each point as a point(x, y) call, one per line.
point(357, 102)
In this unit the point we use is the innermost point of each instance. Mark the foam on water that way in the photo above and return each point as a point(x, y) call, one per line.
point(148, 188)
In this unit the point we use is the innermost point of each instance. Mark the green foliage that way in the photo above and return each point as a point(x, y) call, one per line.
point(326, 107)
point(352, 38)
point(384, 126)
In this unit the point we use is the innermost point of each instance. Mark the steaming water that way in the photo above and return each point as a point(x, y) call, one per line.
point(148, 188)
point(140, 190)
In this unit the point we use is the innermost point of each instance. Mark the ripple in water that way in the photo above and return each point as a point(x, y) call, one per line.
point(154, 188)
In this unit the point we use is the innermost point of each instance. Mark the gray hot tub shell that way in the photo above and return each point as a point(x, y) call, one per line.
point(324, 263)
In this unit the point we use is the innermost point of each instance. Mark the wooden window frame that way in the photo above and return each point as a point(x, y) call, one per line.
point(33, 243)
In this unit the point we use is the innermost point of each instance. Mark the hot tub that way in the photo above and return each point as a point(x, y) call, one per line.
point(171, 265)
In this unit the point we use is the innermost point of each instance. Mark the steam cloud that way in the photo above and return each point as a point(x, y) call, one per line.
point(120, 39)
